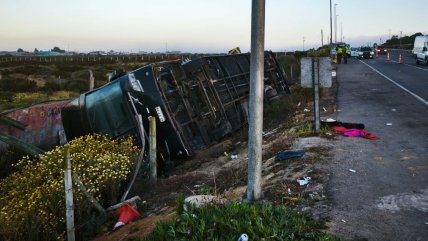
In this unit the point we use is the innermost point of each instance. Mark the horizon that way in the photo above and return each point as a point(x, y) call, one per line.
point(197, 27)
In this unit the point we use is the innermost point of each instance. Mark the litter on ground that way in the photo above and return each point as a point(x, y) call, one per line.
point(304, 181)
point(288, 154)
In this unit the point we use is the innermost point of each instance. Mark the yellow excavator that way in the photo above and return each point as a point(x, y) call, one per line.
point(234, 51)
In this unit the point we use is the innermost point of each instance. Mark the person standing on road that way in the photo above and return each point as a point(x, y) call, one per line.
point(339, 54)
point(345, 55)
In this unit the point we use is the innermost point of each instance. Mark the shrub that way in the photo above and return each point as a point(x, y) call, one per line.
point(17, 85)
point(8, 158)
point(32, 203)
point(78, 85)
point(229, 221)
point(6, 96)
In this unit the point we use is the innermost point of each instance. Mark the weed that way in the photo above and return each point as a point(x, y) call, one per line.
point(205, 191)
point(305, 129)
point(229, 221)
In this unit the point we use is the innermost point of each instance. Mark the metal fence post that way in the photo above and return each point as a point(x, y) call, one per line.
point(315, 82)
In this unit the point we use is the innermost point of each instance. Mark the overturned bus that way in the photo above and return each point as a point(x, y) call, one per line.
point(195, 102)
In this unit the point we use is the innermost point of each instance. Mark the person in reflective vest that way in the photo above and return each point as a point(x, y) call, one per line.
point(339, 54)
point(345, 55)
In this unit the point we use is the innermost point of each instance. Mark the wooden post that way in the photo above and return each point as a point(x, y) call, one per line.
point(91, 80)
point(291, 72)
point(91, 198)
point(69, 207)
point(152, 150)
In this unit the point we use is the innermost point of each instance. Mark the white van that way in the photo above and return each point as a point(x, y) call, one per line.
point(420, 49)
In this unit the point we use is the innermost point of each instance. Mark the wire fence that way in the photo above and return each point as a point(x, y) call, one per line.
point(144, 58)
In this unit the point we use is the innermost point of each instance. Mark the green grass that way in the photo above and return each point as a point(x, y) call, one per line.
point(229, 221)
point(307, 129)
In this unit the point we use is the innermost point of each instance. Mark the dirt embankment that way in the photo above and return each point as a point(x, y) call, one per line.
point(218, 171)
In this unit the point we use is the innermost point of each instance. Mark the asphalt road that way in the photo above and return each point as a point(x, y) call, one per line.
point(386, 198)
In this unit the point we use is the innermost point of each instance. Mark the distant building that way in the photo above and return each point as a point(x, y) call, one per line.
point(97, 53)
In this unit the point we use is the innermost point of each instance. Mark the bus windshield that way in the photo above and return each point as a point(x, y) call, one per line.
point(106, 111)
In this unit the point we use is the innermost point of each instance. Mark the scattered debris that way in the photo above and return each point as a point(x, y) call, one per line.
point(133, 201)
point(306, 110)
point(243, 237)
point(288, 154)
point(233, 157)
point(389, 124)
point(125, 214)
point(304, 181)
point(343, 220)
point(352, 170)
point(330, 120)
point(299, 104)
point(273, 131)
point(394, 109)
point(325, 110)
point(201, 200)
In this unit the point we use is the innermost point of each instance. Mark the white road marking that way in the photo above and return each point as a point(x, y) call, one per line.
point(411, 66)
point(397, 84)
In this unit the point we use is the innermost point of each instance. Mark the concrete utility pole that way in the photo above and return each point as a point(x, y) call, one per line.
point(331, 28)
point(322, 38)
point(303, 43)
point(401, 34)
point(254, 188)
point(335, 23)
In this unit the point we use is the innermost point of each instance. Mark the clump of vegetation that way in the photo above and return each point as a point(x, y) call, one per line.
point(290, 67)
point(17, 85)
point(281, 110)
point(229, 221)
point(32, 202)
point(307, 129)
point(7, 158)
point(20, 100)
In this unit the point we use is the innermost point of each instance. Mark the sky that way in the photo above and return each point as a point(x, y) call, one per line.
point(200, 26)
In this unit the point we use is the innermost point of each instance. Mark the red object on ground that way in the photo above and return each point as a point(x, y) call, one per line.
point(127, 213)
point(400, 60)
point(339, 129)
point(354, 132)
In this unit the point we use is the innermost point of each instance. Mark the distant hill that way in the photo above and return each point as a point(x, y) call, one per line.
point(405, 42)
